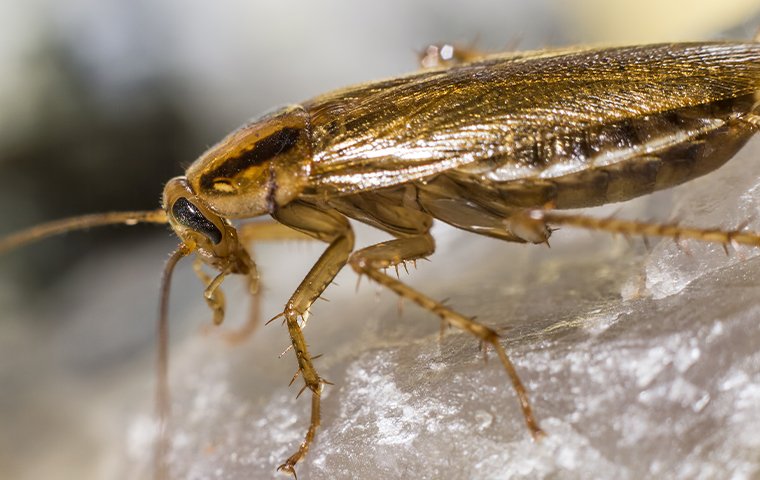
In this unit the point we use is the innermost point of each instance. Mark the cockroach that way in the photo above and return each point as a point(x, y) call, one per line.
point(496, 145)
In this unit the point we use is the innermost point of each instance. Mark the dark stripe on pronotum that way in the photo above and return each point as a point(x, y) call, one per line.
point(265, 149)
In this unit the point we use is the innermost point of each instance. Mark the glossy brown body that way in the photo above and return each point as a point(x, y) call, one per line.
point(566, 128)
point(489, 146)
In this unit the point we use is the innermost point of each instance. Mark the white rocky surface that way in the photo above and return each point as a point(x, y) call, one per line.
point(639, 364)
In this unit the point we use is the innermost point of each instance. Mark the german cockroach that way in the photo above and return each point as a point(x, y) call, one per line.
point(496, 145)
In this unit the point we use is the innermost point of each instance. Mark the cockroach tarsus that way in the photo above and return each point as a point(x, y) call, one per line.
point(495, 145)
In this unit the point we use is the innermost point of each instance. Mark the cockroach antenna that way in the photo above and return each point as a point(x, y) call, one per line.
point(83, 222)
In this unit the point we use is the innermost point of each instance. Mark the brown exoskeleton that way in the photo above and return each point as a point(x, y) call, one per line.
point(494, 146)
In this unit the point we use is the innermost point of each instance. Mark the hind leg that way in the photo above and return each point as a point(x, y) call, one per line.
point(538, 219)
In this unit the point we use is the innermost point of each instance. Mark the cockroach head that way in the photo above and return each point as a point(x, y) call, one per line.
point(202, 230)
point(258, 167)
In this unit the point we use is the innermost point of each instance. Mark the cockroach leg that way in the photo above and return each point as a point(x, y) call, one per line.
point(333, 228)
point(645, 229)
point(452, 54)
point(239, 335)
point(447, 55)
point(268, 231)
point(250, 234)
point(311, 381)
point(371, 260)
point(213, 294)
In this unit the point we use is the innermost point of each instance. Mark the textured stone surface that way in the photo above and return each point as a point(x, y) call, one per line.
point(638, 363)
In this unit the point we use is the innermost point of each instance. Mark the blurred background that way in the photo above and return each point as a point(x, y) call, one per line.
point(101, 101)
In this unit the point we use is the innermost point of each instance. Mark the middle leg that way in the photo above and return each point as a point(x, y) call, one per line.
point(371, 260)
point(397, 213)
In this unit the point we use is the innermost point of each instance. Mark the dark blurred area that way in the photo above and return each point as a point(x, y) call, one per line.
point(83, 155)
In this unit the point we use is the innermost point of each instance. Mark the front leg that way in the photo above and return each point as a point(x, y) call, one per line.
point(250, 235)
point(212, 294)
point(331, 227)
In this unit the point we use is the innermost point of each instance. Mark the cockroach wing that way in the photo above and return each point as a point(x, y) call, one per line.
point(537, 116)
